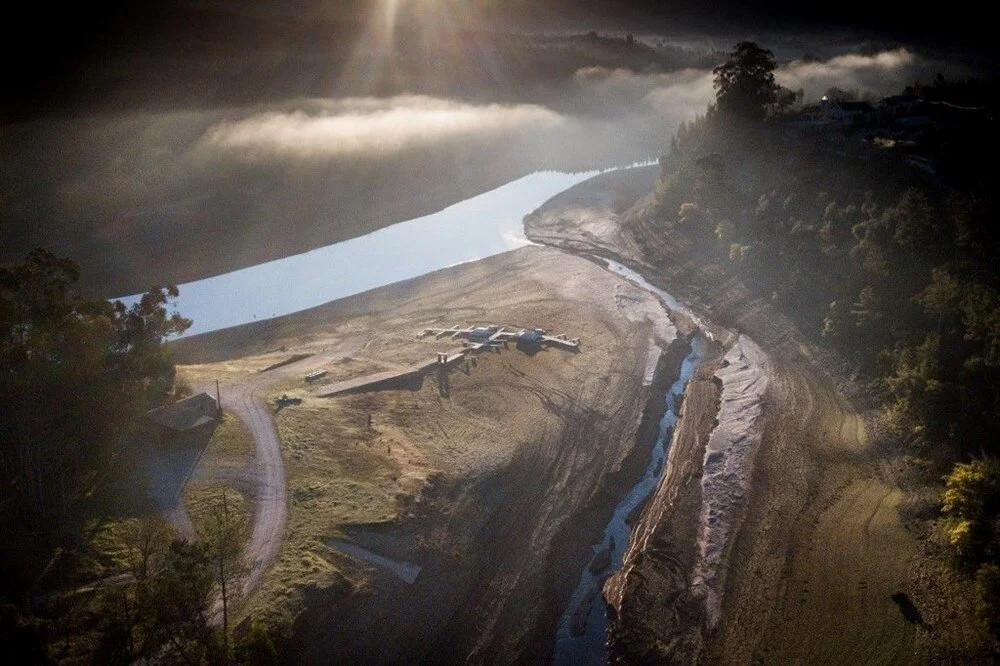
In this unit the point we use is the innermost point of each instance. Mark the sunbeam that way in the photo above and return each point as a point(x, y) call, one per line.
point(422, 391)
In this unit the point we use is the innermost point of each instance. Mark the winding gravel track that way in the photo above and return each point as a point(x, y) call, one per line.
point(245, 402)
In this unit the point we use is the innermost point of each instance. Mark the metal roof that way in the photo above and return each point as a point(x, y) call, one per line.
point(186, 414)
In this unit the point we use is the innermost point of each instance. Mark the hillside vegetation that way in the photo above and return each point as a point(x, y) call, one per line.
point(877, 241)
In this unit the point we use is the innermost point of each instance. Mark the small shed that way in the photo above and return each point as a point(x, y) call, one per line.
point(483, 332)
point(186, 422)
point(534, 336)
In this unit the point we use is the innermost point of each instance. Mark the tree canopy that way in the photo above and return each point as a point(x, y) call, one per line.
point(744, 83)
point(73, 372)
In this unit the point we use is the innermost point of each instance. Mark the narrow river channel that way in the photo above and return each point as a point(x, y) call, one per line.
point(581, 636)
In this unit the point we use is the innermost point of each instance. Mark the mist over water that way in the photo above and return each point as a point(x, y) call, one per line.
point(476, 228)
point(152, 196)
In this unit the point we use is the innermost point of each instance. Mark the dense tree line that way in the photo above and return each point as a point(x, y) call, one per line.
point(175, 603)
point(73, 373)
point(76, 372)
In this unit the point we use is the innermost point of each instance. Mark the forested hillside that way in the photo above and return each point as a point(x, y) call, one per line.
point(876, 235)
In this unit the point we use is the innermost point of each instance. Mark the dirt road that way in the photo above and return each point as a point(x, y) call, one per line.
point(245, 401)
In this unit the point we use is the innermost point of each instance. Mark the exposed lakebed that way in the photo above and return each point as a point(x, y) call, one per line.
point(484, 226)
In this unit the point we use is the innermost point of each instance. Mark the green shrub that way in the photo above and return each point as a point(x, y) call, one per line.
point(970, 502)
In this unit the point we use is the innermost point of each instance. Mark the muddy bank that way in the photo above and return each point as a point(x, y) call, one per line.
point(546, 592)
point(662, 553)
point(582, 628)
point(585, 218)
point(679, 549)
point(569, 551)
point(821, 548)
point(808, 576)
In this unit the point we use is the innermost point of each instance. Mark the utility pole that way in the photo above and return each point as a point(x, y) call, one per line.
point(223, 547)
point(218, 400)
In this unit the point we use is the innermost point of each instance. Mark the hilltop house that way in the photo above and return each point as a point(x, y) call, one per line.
point(847, 112)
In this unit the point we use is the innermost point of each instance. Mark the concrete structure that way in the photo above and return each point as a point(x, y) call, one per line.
point(493, 335)
point(393, 378)
point(535, 335)
point(477, 339)
point(187, 422)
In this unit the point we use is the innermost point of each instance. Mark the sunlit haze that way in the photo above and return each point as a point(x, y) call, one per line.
point(574, 332)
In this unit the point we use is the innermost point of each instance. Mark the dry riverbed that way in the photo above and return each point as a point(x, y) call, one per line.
point(663, 550)
point(487, 491)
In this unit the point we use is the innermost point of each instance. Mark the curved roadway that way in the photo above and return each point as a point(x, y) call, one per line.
point(245, 402)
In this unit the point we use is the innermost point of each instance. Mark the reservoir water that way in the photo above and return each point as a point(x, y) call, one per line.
point(480, 227)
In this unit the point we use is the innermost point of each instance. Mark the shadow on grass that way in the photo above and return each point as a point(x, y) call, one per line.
point(909, 609)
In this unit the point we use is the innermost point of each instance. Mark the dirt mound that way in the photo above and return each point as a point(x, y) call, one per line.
point(656, 614)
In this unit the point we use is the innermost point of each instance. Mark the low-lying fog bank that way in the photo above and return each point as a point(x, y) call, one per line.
point(142, 196)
